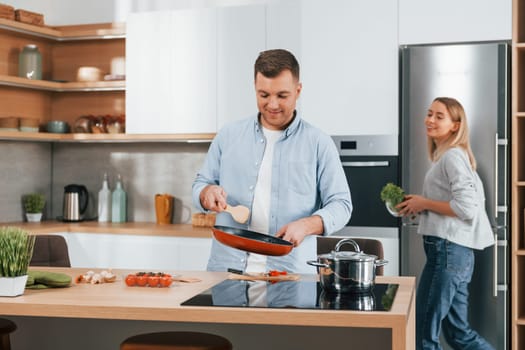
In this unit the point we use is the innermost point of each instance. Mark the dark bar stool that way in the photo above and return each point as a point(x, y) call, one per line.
point(6, 327)
point(176, 341)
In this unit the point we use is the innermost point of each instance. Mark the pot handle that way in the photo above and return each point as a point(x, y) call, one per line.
point(349, 241)
point(380, 262)
point(317, 264)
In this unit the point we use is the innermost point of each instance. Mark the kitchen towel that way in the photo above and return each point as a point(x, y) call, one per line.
point(46, 279)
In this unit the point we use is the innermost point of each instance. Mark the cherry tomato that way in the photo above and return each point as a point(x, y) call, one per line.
point(277, 273)
point(142, 280)
point(131, 280)
point(165, 281)
point(153, 280)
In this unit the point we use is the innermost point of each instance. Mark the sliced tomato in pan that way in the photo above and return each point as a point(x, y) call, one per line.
point(251, 241)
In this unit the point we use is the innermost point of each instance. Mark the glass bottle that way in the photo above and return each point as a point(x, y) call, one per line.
point(118, 198)
point(30, 62)
point(104, 202)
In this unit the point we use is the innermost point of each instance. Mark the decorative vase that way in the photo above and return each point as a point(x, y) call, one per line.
point(12, 286)
point(34, 217)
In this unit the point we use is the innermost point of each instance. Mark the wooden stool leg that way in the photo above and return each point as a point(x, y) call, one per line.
point(6, 327)
point(5, 343)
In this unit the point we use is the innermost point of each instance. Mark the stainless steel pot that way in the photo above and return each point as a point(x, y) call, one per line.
point(347, 271)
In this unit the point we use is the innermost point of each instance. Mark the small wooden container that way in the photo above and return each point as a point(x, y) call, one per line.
point(29, 17)
point(7, 12)
point(9, 123)
point(29, 124)
point(203, 220)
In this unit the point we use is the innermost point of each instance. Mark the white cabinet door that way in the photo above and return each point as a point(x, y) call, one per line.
point(193, 253)
point(240, 37)
point(349, 69)
point(454, 21)
point(283, 26)
point(136, 252)
point(171, 72)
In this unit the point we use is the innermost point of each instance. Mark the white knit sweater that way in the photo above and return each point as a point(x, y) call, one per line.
point(452, 179)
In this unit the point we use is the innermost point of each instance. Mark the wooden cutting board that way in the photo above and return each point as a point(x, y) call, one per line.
point(263, 277)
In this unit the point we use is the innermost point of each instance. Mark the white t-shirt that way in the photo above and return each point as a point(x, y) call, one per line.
point(261, 199)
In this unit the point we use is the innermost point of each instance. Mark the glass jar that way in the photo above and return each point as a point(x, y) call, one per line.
point(30, 63)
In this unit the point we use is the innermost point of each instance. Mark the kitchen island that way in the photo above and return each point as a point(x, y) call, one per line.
point(114, 308)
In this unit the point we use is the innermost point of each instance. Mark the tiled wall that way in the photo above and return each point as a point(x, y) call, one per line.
point(146, 169)
point(24, 167)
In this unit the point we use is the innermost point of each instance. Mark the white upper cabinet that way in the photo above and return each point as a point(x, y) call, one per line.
point(283, 26)
point(171, 72)
point(240, 37)
point(448, 21)
point(349, 66)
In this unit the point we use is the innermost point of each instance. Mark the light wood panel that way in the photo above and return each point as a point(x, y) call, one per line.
point(11, 46)
point(67, 57)
point(18, 102)
point(69, 106)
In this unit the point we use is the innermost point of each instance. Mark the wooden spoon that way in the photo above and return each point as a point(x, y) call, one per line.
point(239, 213)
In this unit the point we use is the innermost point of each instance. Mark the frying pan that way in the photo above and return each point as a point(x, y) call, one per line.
point(251, 241)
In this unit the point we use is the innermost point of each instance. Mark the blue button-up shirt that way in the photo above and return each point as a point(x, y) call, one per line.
point(307, 179)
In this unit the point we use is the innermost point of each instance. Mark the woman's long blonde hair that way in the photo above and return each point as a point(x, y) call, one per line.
point(459, 138)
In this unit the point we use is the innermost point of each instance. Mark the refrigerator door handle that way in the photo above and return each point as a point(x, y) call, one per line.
point(496, 177)
point(366, 164)
point(495, 268)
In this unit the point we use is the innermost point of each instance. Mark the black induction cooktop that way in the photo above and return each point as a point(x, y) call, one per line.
point(293, 294)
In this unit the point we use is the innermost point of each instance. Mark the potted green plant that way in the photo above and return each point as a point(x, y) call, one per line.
point(34, 205)
point(16, 251)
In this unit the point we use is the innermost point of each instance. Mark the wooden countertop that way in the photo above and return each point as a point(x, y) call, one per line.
point(130, 228)
point(118, 301)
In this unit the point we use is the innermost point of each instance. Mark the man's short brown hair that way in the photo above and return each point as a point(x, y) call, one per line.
point(271, 63)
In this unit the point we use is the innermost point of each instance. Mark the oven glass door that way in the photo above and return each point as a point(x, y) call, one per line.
point(366, 176)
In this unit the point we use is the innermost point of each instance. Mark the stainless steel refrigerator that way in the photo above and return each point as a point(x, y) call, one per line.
point(478, 75)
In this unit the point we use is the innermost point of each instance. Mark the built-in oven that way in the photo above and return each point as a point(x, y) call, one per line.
point(370, 162)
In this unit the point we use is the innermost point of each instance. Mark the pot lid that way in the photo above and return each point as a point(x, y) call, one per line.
point(349, 256)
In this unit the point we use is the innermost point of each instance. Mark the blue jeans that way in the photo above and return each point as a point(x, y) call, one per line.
point(442, 297)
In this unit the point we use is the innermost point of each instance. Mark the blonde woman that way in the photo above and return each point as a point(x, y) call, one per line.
point(453, 222)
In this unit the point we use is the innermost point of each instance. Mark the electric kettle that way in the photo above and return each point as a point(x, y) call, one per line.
point(75, 202)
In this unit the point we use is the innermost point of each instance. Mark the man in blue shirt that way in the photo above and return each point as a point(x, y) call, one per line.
point(285, 170)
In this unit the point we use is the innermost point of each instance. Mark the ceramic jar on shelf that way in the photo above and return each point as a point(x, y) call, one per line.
point(30, 63)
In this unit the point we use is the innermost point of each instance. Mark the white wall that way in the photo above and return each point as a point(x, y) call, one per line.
point(454, 21)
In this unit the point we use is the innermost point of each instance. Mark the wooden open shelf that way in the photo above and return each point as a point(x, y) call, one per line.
point(59, 96)
point(67, 33)
point(118, 85)
point(76, 137)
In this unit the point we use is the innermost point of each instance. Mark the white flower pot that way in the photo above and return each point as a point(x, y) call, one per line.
point(12, 286)
point(34, 217)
